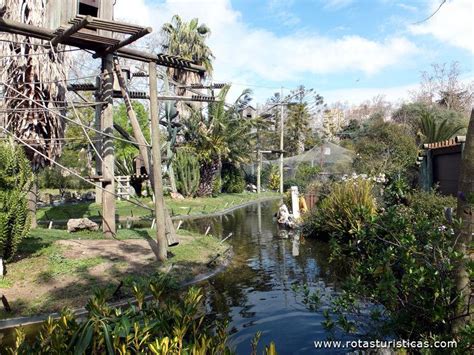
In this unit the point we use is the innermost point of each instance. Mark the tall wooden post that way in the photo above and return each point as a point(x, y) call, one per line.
point(282, 123)
point(98, 145)
point(171, 236)
point(108, 196)
point(156, 168)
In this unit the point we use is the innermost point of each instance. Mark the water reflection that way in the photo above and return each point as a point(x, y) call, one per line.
point(254, 292)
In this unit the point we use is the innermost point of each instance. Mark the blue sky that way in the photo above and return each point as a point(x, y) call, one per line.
point(346, 50)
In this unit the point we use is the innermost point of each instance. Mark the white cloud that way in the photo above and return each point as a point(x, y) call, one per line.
point(337, 4)
point(358, 95)
point(452, 24)
point(247, 54)
point(407, 7)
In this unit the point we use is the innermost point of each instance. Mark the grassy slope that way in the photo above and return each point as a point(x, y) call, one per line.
point(192, 206)
point(40, 261)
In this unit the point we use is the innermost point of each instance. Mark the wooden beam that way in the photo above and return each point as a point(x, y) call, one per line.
point(61, 37)
point(125, 42)
point(46, 34)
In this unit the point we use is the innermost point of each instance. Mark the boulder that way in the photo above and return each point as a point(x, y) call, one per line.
point(78, 224)
point(88, 196)
point(177, 196)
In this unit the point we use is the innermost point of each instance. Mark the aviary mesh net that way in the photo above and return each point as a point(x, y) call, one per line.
point(332, 158)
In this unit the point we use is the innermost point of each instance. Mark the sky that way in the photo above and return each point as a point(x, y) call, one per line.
point(347, 50)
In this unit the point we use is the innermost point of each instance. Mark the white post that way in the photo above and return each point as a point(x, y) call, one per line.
point(295, 203)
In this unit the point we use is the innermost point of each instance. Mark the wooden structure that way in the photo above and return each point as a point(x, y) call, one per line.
point(123, 187)
point(89, 25)
point(440, 164)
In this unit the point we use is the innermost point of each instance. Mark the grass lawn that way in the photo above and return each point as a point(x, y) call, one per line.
point(54, 269)
point(191, 206)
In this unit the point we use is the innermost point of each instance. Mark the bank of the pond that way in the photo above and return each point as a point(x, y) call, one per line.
point(54, 269)
point(179, 209)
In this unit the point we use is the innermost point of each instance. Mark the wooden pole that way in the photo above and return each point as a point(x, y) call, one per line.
point(282, 122)
point(156, 168)
point(144, 151)
point(108, 196)
point(98, 144)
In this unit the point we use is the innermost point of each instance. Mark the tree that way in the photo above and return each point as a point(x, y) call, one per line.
point(443, 86)
point(384, 147)
point(33, 75)
point(187, 40)
point(221, 135)
point(298, 119)
point(465, 213)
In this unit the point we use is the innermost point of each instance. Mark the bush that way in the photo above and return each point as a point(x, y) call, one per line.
point(345, 210)
point(385, 147)
point(232, 179)
point(186, 168)
point(430, 205)
point(405, 261)
point(15, 180)
point(274, 178)
point(160, 326)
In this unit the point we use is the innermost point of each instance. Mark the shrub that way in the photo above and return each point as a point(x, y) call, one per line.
point(186, 168)
point(345, 210)
point(385, 147)
point(164, 324)
point(274, 178)
point(430, 204)
point(232, 179)
point(15, 180)
point(405, 262)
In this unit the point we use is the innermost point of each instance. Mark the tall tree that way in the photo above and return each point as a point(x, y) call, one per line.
point(221, 135)
point(187, 40)
point(34, 81)
point(465, 212)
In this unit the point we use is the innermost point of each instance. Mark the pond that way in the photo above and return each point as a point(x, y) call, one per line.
point(255, 292)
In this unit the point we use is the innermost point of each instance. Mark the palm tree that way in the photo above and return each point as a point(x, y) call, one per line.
point(433, 130)
point(33, 75)
point(221, 135)
point(187, 40)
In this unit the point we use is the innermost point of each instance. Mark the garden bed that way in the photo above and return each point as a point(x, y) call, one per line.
point(54, 269)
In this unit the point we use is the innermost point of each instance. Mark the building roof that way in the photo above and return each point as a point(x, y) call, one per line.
point(447, 143)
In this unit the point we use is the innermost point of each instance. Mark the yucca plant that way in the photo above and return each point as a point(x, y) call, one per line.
point(349, 205)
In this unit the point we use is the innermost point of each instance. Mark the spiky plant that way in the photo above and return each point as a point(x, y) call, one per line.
point(433, 130)
point(33, 75)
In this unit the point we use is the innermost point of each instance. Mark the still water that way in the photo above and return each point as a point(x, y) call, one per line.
point(254, 293)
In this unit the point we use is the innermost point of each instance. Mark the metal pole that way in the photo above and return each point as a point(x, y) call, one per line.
point(108, 196)
point(281, 141)
point(156, 168)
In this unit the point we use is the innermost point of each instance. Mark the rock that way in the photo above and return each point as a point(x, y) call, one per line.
point(46, 198)
point(177, 196)
point(252, 188)
point(77, 224)
point(88, 196)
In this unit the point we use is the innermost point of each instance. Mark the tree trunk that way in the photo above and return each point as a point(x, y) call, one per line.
point(208, 172)
point(32, 203)
point(465, 211)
